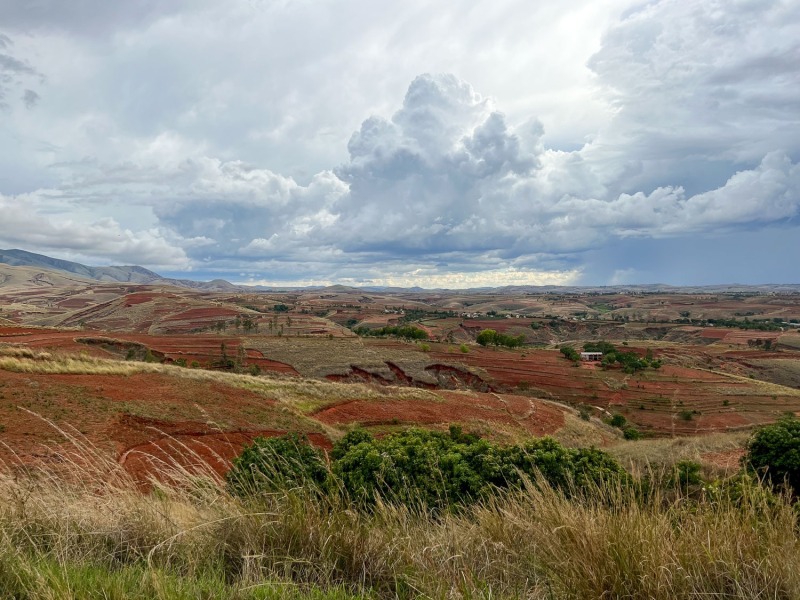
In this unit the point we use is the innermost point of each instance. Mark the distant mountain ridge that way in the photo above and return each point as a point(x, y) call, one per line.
point(111, 274)
point(139, 275)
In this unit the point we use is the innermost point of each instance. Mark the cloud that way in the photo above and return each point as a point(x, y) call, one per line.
point(698, 83)
point(14, 72)
point(30, 98)
point(32, 220)
point(446, 181)
point(253, 137)
point(431, 278)
point(86, 17)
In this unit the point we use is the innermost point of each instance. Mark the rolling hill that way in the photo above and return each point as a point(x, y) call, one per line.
point(110, 274)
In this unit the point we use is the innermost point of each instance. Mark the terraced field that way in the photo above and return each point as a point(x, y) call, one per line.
point(262, 364)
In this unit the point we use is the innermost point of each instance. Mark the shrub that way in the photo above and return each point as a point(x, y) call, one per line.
point(631, 433)
point(686, 473)
point(407, 332)
point(685, 415)
point(279, 463)
point(464, 348)
point(617, 420)
point(414, 466)
point(350, 440)
point(440, 470)
point(604, 347)
point(774, 452)
point(570, 353)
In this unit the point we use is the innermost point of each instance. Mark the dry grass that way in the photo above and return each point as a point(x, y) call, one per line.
point(640, 455)
point(300, 396)
point(21, 359)
point(763, 387)
point(61, 534)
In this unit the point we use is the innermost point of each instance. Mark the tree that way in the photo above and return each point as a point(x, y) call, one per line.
point(486, 337)
point(570, 353)
point(774, 452)
point(490, 336)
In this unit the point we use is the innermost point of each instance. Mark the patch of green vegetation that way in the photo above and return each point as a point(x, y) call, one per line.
point(490, 337)
point(774, 453)
point(570, 353)
point(418, 467)
point(30, 577)
point(602, 307)
point(406, 332)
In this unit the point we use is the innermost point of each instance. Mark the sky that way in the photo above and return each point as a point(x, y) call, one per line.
point(417, 143)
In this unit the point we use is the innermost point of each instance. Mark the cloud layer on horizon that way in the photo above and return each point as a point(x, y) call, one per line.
point(700, 139)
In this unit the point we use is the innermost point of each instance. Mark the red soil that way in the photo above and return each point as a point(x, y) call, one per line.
point(43, 411)
point(533, 416)
point(500, 325)
point(75, 303)
point(653, 401)
point(715, 334)
point(138, 298)
point(727, 459)
point(744, 336)
point(203, 349)
point(202, 313)
point(192, 448)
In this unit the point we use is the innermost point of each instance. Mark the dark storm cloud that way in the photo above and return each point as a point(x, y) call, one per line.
point(713, 81)
point(13, 71)
point(86, 17)
point(30, 98)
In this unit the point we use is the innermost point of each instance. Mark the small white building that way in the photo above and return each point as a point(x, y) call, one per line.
point(592, 356)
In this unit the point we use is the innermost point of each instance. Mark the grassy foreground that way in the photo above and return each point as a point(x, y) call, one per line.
point(87, 533)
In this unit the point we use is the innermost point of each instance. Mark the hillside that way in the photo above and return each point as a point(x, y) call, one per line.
point(38, 278)
point(117, 273)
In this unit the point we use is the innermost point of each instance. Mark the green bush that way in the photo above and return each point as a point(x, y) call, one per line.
point(416, 467)
point(279, 463)
point(604, 347)
point(631, 433)
point(444, 469)
point(617, 420)
point(407, 332)
point(686, 473)
point(570, 353)
point(774, 452)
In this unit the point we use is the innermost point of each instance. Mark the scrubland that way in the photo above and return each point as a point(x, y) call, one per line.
point(84, 530)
